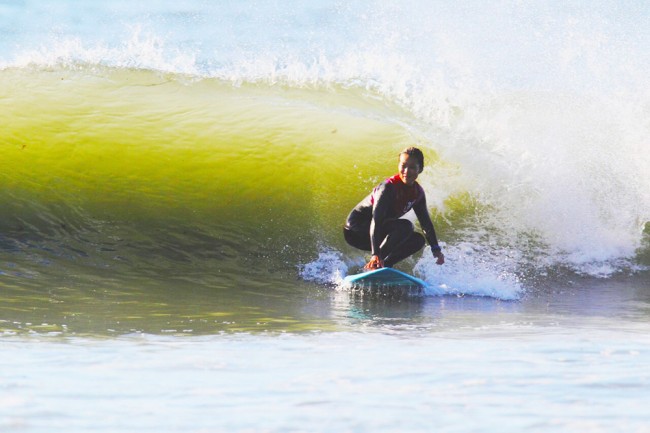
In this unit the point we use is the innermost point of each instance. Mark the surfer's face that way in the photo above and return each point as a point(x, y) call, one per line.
point(409, 168)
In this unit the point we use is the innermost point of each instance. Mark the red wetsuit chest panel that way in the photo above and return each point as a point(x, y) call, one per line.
point(405, 196)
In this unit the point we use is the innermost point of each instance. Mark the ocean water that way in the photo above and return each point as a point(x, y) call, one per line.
point(174, 177)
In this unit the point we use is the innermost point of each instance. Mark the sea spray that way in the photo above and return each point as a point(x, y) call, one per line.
point(329, 268)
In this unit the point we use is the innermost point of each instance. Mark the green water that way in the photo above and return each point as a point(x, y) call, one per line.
point(136, 201)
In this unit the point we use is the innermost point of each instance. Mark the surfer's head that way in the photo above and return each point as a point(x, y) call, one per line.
point(411, 164)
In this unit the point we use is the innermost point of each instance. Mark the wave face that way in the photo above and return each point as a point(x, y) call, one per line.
point(183, 142)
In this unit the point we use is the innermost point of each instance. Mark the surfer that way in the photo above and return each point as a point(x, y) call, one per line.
point(375, 224)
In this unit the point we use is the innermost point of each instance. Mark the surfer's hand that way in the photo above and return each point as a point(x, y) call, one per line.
point(375, 263)
point(440, 256)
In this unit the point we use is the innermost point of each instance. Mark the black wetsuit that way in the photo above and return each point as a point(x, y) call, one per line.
point(375, 224)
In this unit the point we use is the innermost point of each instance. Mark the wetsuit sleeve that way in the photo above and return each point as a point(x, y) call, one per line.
point(383, 200)
point(426, 224)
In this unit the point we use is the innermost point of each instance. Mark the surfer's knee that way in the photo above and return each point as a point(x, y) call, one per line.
point(418, 241)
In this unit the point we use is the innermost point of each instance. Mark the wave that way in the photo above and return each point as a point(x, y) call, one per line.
point(175, 138)
point(114, 167)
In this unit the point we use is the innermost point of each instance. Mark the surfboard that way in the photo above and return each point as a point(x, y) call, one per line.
point(385, 279)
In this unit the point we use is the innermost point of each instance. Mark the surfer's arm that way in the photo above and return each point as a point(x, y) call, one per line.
point(426, 224)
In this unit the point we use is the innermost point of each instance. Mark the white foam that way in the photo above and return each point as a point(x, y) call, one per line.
point(470, 271)
point(329, 268)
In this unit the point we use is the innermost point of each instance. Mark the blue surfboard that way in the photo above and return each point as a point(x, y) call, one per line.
point(385, 279)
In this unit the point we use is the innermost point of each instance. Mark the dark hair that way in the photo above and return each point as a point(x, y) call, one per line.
point(416, 153)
